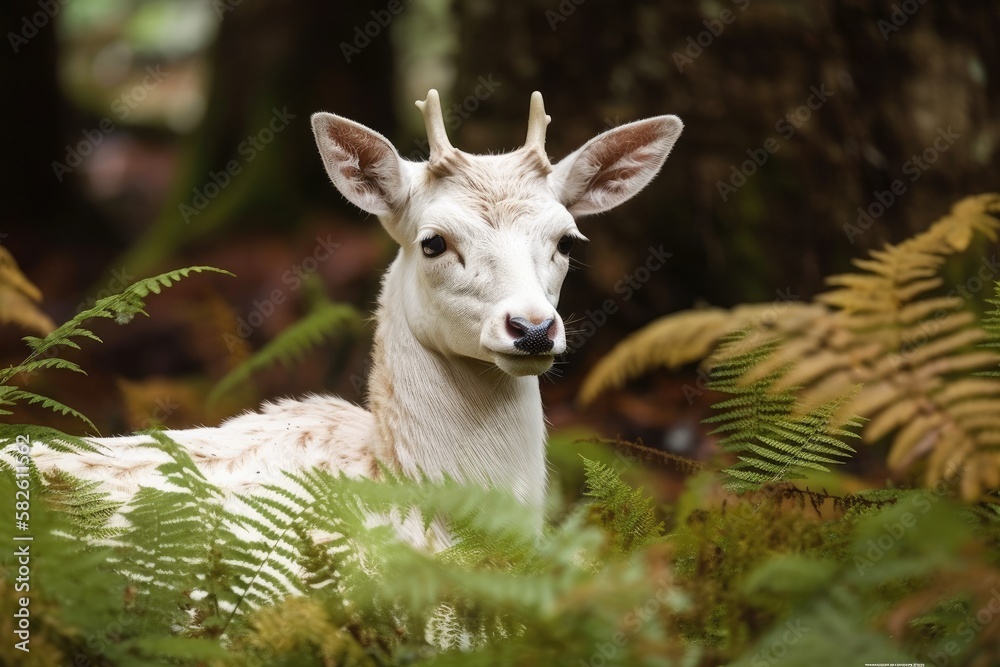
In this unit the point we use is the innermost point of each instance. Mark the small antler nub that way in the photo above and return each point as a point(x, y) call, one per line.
point(538, 122)
point(442, 153)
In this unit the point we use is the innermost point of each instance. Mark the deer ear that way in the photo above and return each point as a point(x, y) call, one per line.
point(612, 167)
point(362, 163)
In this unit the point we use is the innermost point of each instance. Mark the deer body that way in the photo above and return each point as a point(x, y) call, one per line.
point(466, 318)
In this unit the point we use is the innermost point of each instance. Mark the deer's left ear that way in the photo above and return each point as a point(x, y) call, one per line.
point(362, 163)
point(612, 167)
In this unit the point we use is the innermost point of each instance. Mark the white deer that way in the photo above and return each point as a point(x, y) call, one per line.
point(466, 318)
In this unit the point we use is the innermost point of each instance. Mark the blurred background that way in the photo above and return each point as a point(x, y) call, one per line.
point(146, 135)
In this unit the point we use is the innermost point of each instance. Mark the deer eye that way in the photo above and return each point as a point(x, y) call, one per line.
point(433, 246)
point(565, 244)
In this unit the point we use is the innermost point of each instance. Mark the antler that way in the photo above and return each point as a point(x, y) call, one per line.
point(443, 155)
point(538, 122)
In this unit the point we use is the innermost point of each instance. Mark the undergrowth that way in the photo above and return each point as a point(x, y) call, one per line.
point(751, 562)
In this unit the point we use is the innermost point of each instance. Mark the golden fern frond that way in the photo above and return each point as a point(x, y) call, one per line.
point(692, 335)
point(19, 297)
point(887, 329)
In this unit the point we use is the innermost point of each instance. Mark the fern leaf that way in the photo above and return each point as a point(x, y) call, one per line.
point(325, 321)
point(760, 425)
point(626, 513)
point(19, 297)
point(680, 339)
point(991, 325)
point(887, 328)
point(122, 307)
point(12, 395)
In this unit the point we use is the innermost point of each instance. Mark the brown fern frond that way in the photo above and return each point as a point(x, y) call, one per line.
point(19, 298)
point(887, 328)
point(676, 340)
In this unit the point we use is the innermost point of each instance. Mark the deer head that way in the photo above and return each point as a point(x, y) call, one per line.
point(485, 239)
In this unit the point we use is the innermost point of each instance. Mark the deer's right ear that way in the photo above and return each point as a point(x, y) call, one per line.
point(362, 163)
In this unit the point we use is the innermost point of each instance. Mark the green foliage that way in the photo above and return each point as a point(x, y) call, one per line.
point(121, 307)
point(991, 325)
point(626, 513)
point(793, 584)
point(314, 571)
point(891, 328)
point(324, 321)
point(200, 583)
point(86, 507)
point(772, 442)
point(777, 573)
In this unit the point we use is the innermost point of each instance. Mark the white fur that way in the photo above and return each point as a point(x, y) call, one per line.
point(449, 392)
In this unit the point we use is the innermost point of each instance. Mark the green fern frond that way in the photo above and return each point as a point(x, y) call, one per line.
point(81, 608)
point(888, 327)
point(760, 424)
point(325, 321)
point(88, 509)
point(991, 325)
point(626, 513)
point(122, 307)
point(51, 362)
point(188, 541)
point(10, 396)
point(54, 439)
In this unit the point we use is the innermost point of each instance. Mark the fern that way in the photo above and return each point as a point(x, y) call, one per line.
point(887, 328)
point(121, 307)
point(726, 589)
point(760, 424)
point(88, 509)
point(991, 324)
point(192, 542)
point(324, 321)
point(55, 440)
point(203, 583)
point(626, 513)
point(19, 297)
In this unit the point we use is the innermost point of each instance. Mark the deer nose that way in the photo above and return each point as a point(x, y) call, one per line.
point(528, 337)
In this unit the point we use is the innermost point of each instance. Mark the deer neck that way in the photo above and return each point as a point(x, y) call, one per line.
point(451, 415)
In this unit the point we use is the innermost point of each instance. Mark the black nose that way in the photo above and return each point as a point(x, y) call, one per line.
point(528, 337)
